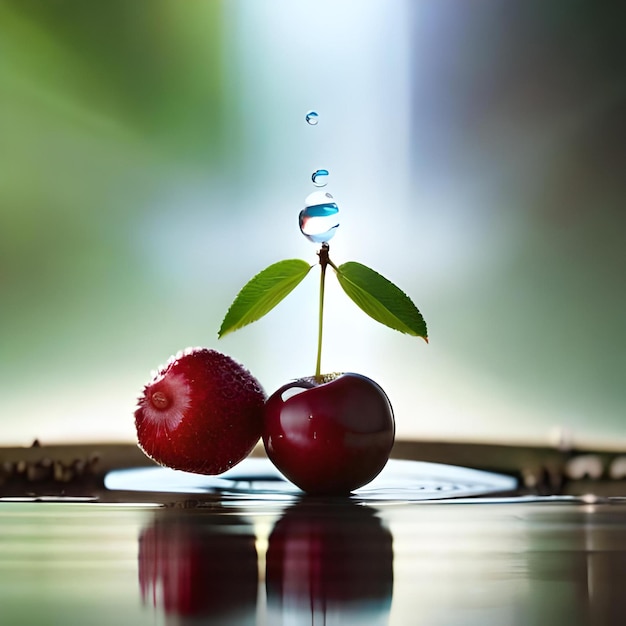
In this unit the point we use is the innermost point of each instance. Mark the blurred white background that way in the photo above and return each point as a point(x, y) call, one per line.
point(154, 156)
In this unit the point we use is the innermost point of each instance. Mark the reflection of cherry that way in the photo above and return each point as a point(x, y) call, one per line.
point(196, 565)
point(329, 436)
point(329, 559)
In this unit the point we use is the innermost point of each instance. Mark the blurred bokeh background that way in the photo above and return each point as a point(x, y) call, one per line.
point(154, 156)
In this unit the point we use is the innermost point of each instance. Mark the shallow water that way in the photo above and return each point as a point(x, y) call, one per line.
point(281, 559)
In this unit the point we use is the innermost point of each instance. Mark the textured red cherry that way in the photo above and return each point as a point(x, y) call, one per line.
point(329, 437)
point(202, 413)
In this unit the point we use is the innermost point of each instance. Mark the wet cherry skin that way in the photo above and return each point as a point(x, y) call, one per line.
point(329, 438)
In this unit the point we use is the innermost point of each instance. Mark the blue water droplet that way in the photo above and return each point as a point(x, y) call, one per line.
point(312, 118)
point(319, 219)
point(320, 178)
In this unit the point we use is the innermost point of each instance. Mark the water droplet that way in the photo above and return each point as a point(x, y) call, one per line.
point(291, 392)
point(312, 118)
point(320, 217)
point(320, 178)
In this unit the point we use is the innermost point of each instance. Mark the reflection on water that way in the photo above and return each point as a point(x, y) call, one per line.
point(488, 564)
point(193, 564)
point(326, 563)
point(510, 564)
point(577, 564)
point(70, 564)
point(329, 565)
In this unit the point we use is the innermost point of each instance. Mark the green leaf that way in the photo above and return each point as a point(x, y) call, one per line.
point(381, 299)
point(263, 292)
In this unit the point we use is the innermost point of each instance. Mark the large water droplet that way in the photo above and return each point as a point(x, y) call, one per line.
point(320, 217)
point(320, 178)
point(312, 118)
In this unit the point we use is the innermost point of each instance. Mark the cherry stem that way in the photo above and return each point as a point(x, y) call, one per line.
point(324, 261)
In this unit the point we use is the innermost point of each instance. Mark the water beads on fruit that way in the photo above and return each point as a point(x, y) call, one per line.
point(319, 219)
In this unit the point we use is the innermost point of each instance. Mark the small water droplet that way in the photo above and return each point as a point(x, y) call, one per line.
point(319, 219)
point(320, 178)
point(291, 392)
point(312, 118)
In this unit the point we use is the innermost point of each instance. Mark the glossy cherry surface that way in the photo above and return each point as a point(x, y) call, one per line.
point(329, 437)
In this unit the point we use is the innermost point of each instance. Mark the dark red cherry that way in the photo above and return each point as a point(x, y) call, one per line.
point(331, 436)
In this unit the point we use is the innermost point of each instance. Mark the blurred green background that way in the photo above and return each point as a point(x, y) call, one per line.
point(154, 156)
